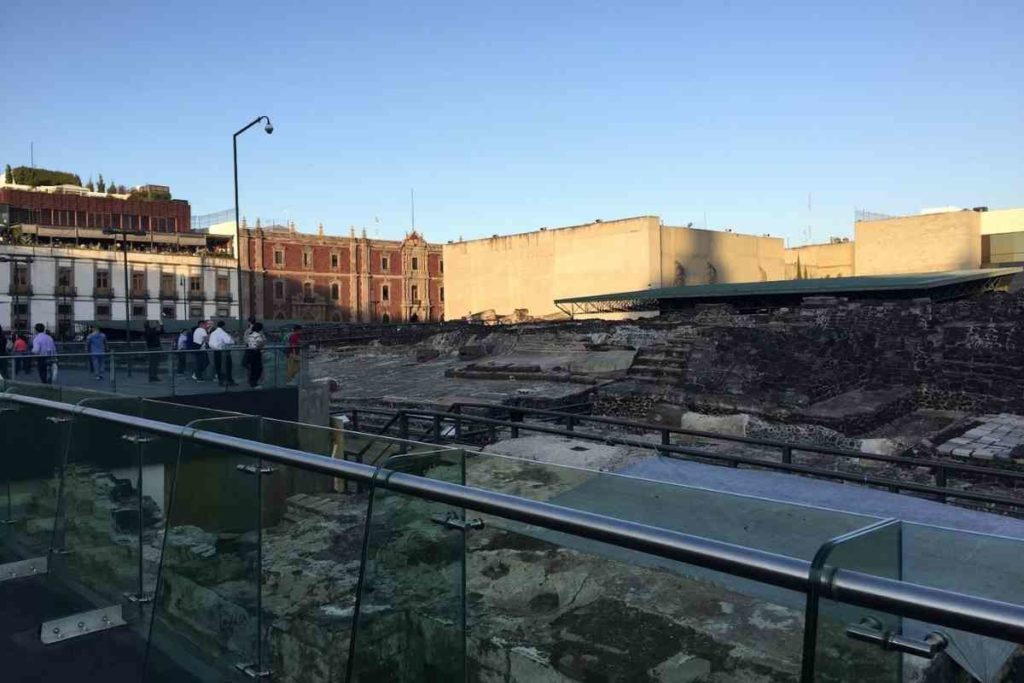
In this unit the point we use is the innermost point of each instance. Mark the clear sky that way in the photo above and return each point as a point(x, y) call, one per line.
point(508, 116)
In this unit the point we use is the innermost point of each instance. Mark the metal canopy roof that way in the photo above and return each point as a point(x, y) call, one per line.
point(943, 285)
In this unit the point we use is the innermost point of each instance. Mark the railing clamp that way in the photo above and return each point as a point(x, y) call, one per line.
point(139, 599)
point(871, 630)
point(252, 671)
point(138, 438)
point(18, 570)
point(58, 419)
point(255, 469)
point(451, 520)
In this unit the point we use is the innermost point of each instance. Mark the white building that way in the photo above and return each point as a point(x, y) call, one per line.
point(64, 285)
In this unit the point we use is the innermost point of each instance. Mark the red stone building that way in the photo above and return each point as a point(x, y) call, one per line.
point(81, 209)
point(325, 278)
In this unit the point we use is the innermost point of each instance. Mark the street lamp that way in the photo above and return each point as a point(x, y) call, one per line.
point(16, 260)
point(127, 292)
point(269, 128)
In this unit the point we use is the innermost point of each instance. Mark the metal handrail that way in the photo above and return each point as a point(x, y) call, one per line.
point(133, 354)
point(940, 468)
point(974, 614)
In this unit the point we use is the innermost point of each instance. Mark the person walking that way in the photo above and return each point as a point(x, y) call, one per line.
point(44, 347)
point(5, 370)
point(221, 342)
point(152, 336)
point(181, 346)
point(20, 349)
point(254, 343)
point(96, 346)
point(200, 337)
point(294, 352)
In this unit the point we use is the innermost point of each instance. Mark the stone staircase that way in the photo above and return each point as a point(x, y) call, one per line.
point(661, 364)
point(536, 344)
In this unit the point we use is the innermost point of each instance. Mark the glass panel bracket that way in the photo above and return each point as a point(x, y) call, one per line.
point(252, 671)
point(255, 469)
point(83, 623)
point(18, 570)
point(138, 438)
point(871, 630)
point(452, 520)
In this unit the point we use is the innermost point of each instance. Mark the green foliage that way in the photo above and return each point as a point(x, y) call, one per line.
point(90, 185)
point(26, 175)
point(149, 195)
point(8, 174)
point(111, 187)
point(101, 186)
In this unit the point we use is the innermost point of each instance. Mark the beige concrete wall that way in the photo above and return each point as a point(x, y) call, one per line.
point(1002, 221)
point(531, 270)
point(698, 257)
point(918, 244)
point(820, 260)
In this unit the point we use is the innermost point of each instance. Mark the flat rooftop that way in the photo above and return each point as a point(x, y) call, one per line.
point(939, 286)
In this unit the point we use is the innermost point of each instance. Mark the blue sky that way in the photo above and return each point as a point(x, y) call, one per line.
point(508, 116)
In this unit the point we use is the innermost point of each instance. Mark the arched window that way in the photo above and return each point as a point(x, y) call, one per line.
point(307, 289)
point(385, 318)
point(335, 291)
point(415, 318)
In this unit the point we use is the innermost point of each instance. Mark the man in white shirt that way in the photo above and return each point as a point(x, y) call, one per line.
point(220, 341)
point(199, 343)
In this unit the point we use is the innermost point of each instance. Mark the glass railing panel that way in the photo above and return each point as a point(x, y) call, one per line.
point(983, 565)
point(311, 540)
point(838, 633)
point(34, 443)
point(535, 560)
point(206, 604)
point(411, 609)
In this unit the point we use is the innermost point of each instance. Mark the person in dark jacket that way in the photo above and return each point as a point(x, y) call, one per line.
point(152, 336)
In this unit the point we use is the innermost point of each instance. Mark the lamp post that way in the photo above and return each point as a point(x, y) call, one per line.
point(184, 298)
point(127, 292)
point(16, 260)
point(269, 128)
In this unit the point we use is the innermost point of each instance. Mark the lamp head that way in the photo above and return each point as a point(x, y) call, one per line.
point(269, 127)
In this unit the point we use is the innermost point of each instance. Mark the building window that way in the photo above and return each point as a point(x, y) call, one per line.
point(168, 312)
point(65, 277)
point(414, 293)
point(385, 318)
point(144, 223)
point(279, 257)
point(307, 290)
point(334, 261)
point(102, 279)
point(278, 289)
point(335, 291)
point(440, 265)
point(195, 311)
point(442, 293)
point(223, 285)
point(384, 263)
point(223, 312)
point(385, 293)
point(103, 311)
point(21, 277)
point(138, 283)
point(307, 259)
point(64, 310)
point(195, 284)
point(138, 310)
point(415, 263)
point(167, 285)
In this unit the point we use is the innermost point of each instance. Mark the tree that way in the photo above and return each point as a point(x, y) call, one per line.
point(90, 185)
point(8, 175)
point(101, 186)
point(111, 187)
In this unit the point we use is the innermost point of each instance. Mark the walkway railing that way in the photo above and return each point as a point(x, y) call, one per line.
point(160, 372)
point(242, 543)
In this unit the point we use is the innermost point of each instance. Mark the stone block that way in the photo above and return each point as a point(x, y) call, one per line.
point(681, 668)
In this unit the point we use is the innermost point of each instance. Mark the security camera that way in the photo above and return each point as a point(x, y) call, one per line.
point(269, 128)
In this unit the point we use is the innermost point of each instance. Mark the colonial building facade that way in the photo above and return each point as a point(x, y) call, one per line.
point(61, 264)
point(327, 278)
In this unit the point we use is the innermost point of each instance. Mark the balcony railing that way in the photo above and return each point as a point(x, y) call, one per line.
point(222, 296)
point(196, 296)
point(19, 290)
point(168, 294)
point(139, 293)
point(65, 290)
point(398, 560)
point(103, 292)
